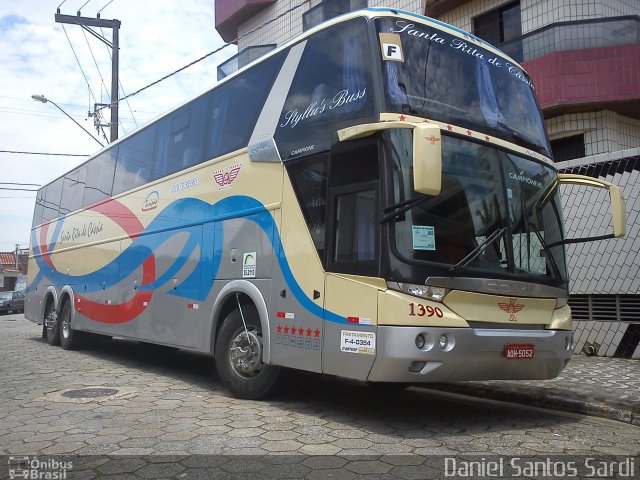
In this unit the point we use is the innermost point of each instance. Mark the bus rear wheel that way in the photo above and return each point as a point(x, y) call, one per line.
point(69, 339)
point(239, 356)
point(52, 324)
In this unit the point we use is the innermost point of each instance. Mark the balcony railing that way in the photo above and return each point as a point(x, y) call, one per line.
point(245, 57)
point(329, 9)
point(574, 35)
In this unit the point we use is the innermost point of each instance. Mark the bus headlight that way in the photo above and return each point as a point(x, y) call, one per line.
point(435, 294)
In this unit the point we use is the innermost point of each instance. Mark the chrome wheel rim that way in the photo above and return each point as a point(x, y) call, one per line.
point(246, 353)
point(66, 326)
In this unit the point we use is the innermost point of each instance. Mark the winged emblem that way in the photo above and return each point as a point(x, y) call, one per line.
point(432, 139)
point(225, 177)
point(511, 308)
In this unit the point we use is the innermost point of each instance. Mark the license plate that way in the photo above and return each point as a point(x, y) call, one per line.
point(518, 351)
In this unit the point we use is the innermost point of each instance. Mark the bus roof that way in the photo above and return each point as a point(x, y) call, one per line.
point(371, 12)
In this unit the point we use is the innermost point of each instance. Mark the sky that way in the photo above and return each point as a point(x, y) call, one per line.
point(73, 69)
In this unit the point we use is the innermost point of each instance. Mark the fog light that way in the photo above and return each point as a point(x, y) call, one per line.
point(420, 341)
point(443, 341)
point(417, 366)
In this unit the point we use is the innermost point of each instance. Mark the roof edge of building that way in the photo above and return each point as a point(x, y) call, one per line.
point(600, 158)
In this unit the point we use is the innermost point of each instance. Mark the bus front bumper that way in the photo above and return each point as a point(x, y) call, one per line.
point(469, 354)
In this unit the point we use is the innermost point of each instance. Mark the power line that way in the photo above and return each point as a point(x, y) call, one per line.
point(46, 153)
point(23, 184)
point(19, 189)
point(109, 3)
point(84, 75)
point(304, 2)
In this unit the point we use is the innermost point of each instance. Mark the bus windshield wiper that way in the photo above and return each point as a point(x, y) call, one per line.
point(479, 250)
point(399, 208)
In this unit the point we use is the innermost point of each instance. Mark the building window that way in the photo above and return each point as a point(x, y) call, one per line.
point(568, 148)
point(503, 28)
point(329, 9)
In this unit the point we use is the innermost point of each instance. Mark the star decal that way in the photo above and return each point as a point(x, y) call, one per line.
point(402, 118)
point(469, 132)
point(449, 127)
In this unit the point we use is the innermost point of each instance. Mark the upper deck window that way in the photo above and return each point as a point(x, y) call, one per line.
point(434, 74)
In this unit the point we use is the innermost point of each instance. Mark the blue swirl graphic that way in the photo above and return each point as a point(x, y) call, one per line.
point(179, 217)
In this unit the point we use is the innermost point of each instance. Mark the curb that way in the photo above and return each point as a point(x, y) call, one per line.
point(552, 398)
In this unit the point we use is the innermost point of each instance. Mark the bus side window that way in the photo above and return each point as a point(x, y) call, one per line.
point(353, 199)
point(310, 180)
point(100, 172)
point(37, 213)
point(52, 200)
point(73, 190)
point(235, 106)
point(133, 167)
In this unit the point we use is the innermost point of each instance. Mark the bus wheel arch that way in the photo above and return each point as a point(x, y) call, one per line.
point(241, 340)
point(247, 294)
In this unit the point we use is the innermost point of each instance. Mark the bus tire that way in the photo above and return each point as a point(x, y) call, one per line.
point(52, 324)
point(239, 356)
point(69, 339)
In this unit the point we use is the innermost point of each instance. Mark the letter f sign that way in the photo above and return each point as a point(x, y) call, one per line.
point(391, 47)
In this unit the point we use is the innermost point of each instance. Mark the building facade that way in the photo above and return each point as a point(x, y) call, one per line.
point(584, 59)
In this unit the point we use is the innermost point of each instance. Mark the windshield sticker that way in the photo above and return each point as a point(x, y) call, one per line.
point(462, 46)
point(391, 47)
point(424, 238)
point(524, 179)
point(317, 107)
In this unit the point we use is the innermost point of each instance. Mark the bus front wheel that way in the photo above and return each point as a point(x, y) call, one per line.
point(239, 356)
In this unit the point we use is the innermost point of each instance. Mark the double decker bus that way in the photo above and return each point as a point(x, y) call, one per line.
point(373, 200)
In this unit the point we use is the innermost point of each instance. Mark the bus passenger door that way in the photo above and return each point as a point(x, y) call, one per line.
point(352, 260)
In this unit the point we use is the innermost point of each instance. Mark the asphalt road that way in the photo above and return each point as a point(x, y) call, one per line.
point(162, 413)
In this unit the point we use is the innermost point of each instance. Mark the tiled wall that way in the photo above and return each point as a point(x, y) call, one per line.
point(538, 13)
point(604, 131)
point(278, 32)
point(290, 25)
point(603, 337)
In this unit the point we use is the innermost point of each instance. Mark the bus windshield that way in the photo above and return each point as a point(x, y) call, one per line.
point(505, 203)
point(433, 74)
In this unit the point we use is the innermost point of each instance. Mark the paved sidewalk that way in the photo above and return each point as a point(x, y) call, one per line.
point(598, 386)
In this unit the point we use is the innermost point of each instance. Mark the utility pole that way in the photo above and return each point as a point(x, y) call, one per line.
point(114, 25)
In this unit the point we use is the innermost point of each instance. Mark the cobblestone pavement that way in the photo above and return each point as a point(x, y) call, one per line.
point(166, 416)
point(601, 386)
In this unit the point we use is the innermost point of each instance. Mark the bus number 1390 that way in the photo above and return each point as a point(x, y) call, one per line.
point(419, 310)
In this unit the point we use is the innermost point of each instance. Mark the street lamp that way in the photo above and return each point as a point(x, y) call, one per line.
point(43, 99)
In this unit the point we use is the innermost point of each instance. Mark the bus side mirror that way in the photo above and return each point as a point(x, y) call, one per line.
point(618, 212)
point(427, 151)
point(427, 159)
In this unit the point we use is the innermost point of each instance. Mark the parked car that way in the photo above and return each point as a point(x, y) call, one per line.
point(11, 302)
